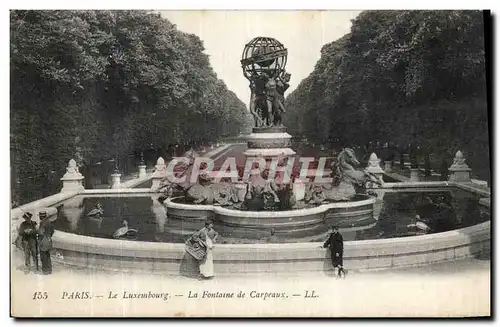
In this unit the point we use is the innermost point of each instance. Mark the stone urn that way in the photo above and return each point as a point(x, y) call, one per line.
point(72, 179)
point(460, 171)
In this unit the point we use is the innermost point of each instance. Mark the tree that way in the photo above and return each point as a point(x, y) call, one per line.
point(406, 77)
point(95, 85)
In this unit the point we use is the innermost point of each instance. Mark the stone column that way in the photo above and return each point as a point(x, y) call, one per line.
point(388, 166)
point(374, 167)
point(159, 174)
point(72, 180)
point(459, 171)
point(115, 180)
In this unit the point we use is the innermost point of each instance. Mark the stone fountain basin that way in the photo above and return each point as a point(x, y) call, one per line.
point(345, 214)
point(170, 258)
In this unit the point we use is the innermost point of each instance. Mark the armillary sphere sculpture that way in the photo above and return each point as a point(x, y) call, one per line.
point(263, 62)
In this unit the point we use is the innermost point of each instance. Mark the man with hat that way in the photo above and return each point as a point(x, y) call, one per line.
point(28, 234)
point(336, 244)
point(45, 242)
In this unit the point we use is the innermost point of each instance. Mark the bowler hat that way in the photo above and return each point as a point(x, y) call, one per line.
point(27, 215)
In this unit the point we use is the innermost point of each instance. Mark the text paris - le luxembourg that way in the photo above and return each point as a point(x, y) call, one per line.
point(165, 296)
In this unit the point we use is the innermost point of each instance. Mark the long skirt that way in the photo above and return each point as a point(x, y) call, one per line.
point(207, 264)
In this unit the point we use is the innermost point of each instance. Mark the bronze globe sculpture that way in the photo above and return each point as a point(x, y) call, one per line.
point(263, 63)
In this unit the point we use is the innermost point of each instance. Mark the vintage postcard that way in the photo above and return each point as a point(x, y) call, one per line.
point(250, 163)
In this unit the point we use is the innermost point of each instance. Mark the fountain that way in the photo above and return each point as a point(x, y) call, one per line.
point(263, 62)
point(264, 197)
point(267, 195)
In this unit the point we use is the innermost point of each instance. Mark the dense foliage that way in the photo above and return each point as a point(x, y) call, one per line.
point(91, 85)
point(407, 77)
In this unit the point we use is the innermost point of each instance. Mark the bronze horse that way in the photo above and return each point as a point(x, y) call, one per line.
point(346, 177)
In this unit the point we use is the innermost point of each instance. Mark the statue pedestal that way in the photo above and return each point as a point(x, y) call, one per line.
point(71, 184)
point(142, 171)
point(269, 142)
point(72, 180)
point(414, 175)
point(459, 171)
point(115, 180)
point(461, 175)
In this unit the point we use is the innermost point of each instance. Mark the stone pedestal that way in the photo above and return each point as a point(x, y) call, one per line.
point(269, 142)
point(72, 179)
point(414, 174)
point(115, 180)
point(459, 171)
point(388, 166)
point(142, 171)
point(159, 174)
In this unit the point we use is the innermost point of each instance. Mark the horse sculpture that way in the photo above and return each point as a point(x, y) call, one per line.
point(345, 180)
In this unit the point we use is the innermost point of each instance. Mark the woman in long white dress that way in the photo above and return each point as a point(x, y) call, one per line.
point(208, 236)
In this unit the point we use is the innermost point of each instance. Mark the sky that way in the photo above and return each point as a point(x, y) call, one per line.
point(225, 33)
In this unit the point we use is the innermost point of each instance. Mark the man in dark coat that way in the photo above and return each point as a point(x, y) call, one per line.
point(45, 242)
point(336, 244)
point(28, 234)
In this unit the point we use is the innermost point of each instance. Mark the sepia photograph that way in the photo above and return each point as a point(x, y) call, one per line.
point(250, 163)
